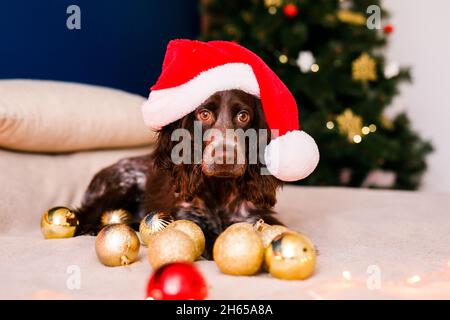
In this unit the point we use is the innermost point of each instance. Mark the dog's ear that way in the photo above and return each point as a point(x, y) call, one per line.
point(188, 177)
point(163, 149)
point(164, 143)
point(188, 182)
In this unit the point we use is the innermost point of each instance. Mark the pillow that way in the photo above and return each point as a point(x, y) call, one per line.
point(51, 116)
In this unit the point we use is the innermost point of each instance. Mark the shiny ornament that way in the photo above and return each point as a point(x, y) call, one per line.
point(177, 281)
point(117, 245)
point(153, 223)
point(194, 232)
point(59, 222)
point(350, 17)
point(290, 256)
point(290, 10)
point(170, 245)
point(305, 60)
point(349, 124)
point(269, 232)
point(388, 29)
point(364, 68)
point(239, 225)
point(239, 250)
point(116, 216)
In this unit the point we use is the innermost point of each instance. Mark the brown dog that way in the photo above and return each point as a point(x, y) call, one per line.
point(210, 192)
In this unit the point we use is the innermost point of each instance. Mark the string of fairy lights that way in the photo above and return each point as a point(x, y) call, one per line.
point(430, 284)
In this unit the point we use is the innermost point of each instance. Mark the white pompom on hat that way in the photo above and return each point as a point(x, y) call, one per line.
point(194, 70)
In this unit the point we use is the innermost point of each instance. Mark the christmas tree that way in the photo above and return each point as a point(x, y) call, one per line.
point(331, 57)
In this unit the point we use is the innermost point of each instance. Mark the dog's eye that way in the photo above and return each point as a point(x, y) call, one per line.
point(204, 115)
point(243, 116)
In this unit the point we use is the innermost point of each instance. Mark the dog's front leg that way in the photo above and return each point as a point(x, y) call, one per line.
point(247, 211)
point(198, 213)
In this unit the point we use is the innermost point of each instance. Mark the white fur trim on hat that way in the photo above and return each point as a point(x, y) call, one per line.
point(292, 156)
point(168, 105)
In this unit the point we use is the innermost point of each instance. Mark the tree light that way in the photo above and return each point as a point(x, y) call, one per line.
point(357, 138)
point(414, 279)
point(347, 275)
point(283, 58)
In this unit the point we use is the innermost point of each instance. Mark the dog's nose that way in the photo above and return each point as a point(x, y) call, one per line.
point(223, 152)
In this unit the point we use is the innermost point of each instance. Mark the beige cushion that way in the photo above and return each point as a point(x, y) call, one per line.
point(50, 116)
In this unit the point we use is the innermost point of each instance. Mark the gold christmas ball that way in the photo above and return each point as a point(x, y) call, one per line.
point(117, 245)
point(194, 232)
point(116, 216)
point(290, 256)
point(170, 245)
point(153, 223)
point(59, 222)
point(239, 251)
point(268, 233)
point(239, 225)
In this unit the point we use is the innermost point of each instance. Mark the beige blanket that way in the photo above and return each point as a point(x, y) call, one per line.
point(392, 244)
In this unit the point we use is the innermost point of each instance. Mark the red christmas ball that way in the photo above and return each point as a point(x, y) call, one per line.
point(290, 10)
point(388, 28)
point(177, 281)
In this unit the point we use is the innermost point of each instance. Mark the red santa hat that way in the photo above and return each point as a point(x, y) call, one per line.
point(194, 70)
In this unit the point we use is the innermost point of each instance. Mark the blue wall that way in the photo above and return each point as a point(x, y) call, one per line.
point(121, 44)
